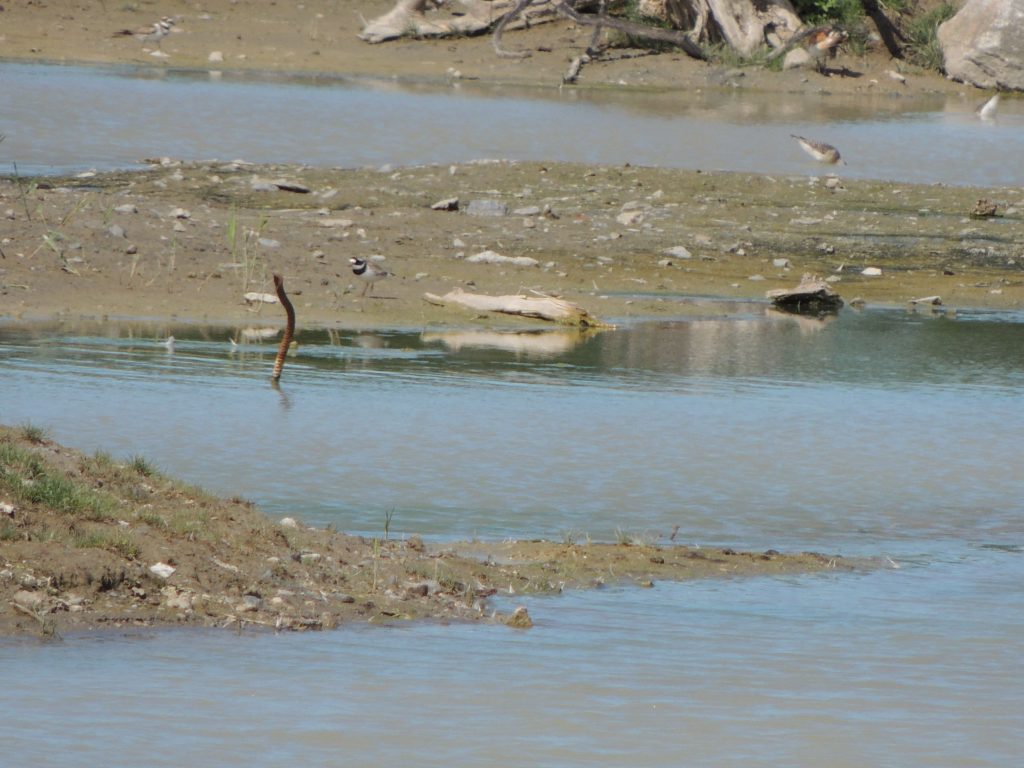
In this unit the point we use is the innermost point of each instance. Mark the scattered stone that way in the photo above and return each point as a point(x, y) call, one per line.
point(335, 223)
point(812, 296)
point(486, 208)
point(268, 242)
point(31, 601)
point(530, 210)
point(983, 209)
point(249, 604)
point(448, 204)
point(756, 278)
point(678, 252)
point(215, 57)
point(292, 186)
point(163, 570)
point(871, 272)
point(490, 257)
point(176, 600)
point(630, 218)
point(254, 297)
point(782, 263)
point(181, 213)
point(126, 208)
point(115, 230)
point(520, 619)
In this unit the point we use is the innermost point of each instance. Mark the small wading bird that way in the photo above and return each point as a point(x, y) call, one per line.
point(987, 111)
point(822, 44)
point(368, 272)
point(151, 34)
point(819, 150)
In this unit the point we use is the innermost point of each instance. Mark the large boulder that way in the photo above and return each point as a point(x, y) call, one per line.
point(983, 44)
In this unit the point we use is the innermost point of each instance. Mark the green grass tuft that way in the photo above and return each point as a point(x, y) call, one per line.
point(922, 33)
point(34, 434)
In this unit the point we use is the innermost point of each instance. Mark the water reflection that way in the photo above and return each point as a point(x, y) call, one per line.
point(751, 427)
point(756, 342)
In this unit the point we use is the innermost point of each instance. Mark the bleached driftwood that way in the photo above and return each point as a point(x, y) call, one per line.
point(812, 295)
point(742, 24)
point(540, 307)
point(409, 17)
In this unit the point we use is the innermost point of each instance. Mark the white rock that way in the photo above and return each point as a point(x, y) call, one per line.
point(215, 57)
point(260, 298)
point(678, 252)
point(126, 208)
point(288, 522)
point(336, 223)
point(163, 570)
point(630, 218)
point(782, 263)
point(181, 213)
point(490, 257)
point(7, 509)
point(268, 242)
point(871, 272)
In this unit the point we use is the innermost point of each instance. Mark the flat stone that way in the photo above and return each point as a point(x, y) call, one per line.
point(486, 208)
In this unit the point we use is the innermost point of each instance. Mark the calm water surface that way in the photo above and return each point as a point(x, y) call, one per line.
point(881, 434)
point(61, 119)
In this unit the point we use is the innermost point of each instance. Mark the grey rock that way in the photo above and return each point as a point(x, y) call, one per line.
point(530, 210)
point(115, 230)
point(983, 44)
point(486, 208)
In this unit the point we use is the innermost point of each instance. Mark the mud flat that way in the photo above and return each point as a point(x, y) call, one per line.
point(189, 241)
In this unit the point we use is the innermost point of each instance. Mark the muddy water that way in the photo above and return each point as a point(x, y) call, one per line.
point(883, 434)
point(60, 119)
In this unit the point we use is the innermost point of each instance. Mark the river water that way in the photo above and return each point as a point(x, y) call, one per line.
point(880, 434)
point(66, 119)
point(883, 434)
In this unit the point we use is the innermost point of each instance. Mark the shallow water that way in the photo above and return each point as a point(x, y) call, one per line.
point(62, 119)
point(885, 434)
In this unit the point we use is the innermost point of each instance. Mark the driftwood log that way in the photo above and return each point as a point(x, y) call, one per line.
point(812, 296)
point(741, 24)
point(540, 307)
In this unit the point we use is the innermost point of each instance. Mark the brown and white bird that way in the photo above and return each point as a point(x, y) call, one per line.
point(154, 33)
point(369, 272)
point(819, 150)
point(823, 42)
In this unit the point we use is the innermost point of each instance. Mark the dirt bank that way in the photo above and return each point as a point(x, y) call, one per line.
point(89, 542)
